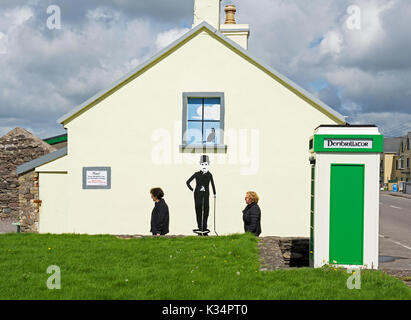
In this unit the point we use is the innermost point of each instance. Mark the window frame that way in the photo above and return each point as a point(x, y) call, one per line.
point(203, 147)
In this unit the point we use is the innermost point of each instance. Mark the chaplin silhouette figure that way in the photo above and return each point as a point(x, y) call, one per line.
point(202, 195)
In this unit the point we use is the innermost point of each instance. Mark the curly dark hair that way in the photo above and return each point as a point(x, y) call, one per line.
point(157, 192)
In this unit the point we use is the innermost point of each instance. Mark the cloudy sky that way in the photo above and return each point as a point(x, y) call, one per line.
point(360, 67)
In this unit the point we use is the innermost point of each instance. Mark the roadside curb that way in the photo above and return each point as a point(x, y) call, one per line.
point(405, 196)
point(399, 195)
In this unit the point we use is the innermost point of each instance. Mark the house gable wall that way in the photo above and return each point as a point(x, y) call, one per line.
point(137, 132)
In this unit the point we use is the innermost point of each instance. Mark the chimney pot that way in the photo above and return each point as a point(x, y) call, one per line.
point(230, 11)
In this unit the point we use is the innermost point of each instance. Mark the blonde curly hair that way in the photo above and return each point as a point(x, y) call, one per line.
point(253, 196)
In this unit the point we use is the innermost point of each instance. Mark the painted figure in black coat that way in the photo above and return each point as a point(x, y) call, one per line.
point(160, 215)
point(252, 214)
point(202, 194)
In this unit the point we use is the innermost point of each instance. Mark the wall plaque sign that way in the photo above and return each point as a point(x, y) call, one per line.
point(96, 178)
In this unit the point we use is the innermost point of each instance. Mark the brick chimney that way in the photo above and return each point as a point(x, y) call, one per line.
point(208, 11)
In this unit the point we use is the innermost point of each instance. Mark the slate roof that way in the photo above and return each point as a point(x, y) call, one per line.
point(392, 145)
point(28, 166)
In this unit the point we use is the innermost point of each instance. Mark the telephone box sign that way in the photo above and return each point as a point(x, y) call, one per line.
point(347, 144)
point(96, 178)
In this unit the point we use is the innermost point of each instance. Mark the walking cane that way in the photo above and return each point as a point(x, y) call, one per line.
point(202, 218)
point(215, 231)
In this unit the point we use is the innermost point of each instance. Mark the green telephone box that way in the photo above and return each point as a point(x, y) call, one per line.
point(344, 213)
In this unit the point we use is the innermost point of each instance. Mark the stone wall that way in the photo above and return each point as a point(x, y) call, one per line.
point(29, 202)
point(16, 147)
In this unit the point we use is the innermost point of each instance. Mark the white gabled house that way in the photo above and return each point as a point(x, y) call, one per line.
point(203, 94)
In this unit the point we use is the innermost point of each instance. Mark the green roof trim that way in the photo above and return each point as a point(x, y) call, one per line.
point(55, 140)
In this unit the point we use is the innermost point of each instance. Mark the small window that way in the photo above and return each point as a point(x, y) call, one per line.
point(203, 120)
point(408, 163)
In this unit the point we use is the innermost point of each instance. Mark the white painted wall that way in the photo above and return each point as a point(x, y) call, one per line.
point(53, 216)
point(58, 165)
point(123, 130)
point(53, 191)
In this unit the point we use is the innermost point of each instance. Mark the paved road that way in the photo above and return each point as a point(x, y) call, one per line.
point(395, 231)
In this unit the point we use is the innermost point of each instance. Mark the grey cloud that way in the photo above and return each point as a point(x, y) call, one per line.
point(43, 77)
point(391, 124)
point(45, 73)
point(74, 10)
point(330, 96)
point(371, 65)
point(388, 51)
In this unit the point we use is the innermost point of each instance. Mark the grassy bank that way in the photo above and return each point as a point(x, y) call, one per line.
point(105, 267)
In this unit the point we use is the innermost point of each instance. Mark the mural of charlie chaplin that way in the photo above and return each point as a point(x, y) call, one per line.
point(202, 195)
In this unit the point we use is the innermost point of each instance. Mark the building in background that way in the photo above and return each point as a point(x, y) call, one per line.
point(388, 162)
point(57, 142)
point(402, 162)
point(17, 147)
point(396, 162)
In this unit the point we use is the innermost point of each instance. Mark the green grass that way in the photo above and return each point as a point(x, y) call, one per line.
point(105, 267)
